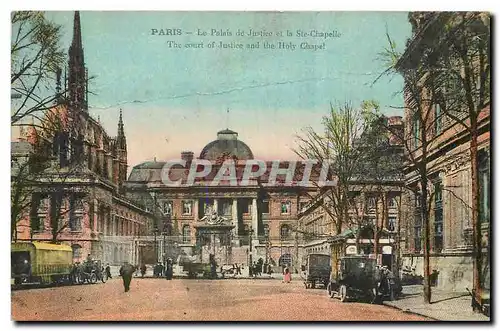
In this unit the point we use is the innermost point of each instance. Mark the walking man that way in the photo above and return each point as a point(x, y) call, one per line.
point(108, 271)
point(126, 271)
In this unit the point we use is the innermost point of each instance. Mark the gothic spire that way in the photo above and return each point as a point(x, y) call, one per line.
point(121, 139)
point(77, 79)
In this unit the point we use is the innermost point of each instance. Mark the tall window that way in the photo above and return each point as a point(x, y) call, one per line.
point(416, 131)
point(484, 187)
point(391, 202)
point(75, 213)
point(285, 232)
point(225, 207)
point(186, 234)
point(265, 206)
point(391, 223)
point(371, 202)
point(417, 226)
point(438, 217)
point(437, 119)
point(77, 251)
point(36, 218)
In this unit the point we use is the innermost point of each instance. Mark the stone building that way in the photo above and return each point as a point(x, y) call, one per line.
point(449, 174)
point(75, 174)
point(374, 211)
point(237, 222)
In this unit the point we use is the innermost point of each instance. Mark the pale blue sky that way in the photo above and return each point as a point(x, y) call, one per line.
point(271, 94)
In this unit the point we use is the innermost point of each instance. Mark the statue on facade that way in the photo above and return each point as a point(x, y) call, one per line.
point(211, 216)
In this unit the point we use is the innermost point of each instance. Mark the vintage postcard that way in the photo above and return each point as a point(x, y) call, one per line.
point(250, 166)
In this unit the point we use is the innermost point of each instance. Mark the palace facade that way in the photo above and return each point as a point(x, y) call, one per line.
point(238, 223)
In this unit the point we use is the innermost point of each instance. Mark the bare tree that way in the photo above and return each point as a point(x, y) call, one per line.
point(343, 126)
point(420, 97)
point(35, 62)
point(461, 65)
point(450, 68)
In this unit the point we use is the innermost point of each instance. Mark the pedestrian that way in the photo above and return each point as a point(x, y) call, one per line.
point(287, 276)
point(143, 270)
point(108, 271)
point(213, 267)
point(126, 272)
point(169, 269)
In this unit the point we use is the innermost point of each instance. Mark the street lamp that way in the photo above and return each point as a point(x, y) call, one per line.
point(155, 231)
point(250, 271)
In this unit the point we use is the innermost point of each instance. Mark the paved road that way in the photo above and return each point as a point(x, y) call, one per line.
point(188, 300)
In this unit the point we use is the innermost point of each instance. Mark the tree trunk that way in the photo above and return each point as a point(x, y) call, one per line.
point(426, 225)
point(476, 224)
point(375, 231)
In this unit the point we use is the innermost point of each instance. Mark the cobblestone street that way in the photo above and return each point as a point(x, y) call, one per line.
point(193, 300)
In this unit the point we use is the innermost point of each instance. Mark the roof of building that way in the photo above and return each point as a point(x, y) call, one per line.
point(227, 146)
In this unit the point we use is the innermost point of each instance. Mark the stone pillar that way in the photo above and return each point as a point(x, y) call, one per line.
point(113, 225)
point(236, 221)
point(255, 222)
point(95, 214)
point(196, 209)
point(216, 205)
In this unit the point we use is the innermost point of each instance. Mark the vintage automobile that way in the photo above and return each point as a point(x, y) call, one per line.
point(42, 263)
point(317, 270)
point(88, 272)
point(355, 278)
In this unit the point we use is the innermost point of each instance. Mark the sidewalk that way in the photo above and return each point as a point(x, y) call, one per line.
point(445, 306)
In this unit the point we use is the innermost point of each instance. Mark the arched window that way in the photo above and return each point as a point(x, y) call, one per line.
point(266, 230)
point(285, 260)
point(77, 251)
point(186, 233)
point(285, 232)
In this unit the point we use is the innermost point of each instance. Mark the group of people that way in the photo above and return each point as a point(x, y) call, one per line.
point(161, 270)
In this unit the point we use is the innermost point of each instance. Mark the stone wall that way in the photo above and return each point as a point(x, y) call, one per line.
point(455, 271)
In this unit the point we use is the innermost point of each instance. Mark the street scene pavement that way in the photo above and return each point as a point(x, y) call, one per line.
point(444, 306)
point(152, 299)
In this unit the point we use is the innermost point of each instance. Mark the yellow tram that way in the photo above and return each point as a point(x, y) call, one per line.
point(38, 262)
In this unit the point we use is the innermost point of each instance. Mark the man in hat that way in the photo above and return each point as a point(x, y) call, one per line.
point(126, 271)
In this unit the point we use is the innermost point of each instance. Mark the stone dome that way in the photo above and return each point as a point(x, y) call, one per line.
point(227, 146)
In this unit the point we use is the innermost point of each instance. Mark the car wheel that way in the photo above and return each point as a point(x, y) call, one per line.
point(93, 278)
point(329, 290)
point(104, 278)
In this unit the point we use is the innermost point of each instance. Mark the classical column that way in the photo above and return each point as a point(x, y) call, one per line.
point(255, 221)
point(236, 221)
point(196, 210)
point(94, 215)
point(216, 205)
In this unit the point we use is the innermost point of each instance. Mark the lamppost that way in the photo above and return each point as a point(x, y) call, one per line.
point(250, 271)
point(155, 231)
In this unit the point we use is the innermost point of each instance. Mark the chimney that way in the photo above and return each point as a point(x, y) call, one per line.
point(187, 156)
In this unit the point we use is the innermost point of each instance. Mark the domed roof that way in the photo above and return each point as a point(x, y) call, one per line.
point(227, 146)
